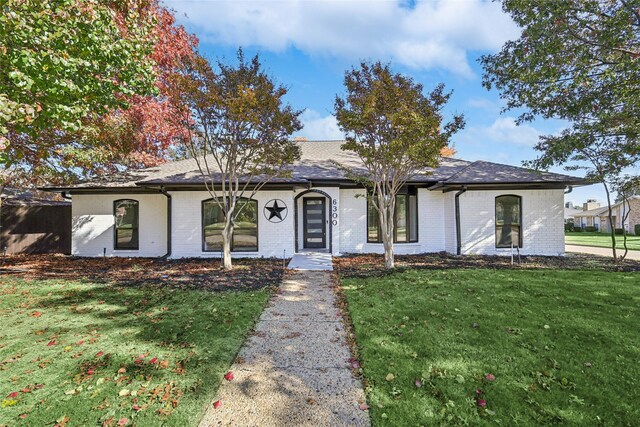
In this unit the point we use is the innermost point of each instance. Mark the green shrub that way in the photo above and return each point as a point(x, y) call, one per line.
point(636, 229)
point(619, 230)
point(590, 228)
point(568, 226)
point(577, 229)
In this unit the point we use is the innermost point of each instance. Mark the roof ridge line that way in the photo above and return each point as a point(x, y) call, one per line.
point(461, 170)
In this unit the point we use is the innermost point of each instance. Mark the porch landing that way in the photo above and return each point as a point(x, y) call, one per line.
point(311, 261)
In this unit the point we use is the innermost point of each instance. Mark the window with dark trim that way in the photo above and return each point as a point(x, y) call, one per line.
point(245, 231)
point(405, 218)
point(126, 217)
point(508, 221)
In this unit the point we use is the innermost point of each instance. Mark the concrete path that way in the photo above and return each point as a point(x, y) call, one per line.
point(311, 261)
point(594, 250)
point(294, 370)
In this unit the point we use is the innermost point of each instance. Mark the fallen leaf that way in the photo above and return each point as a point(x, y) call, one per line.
point(216, 404)
point(390, 377)
point(418, 382)
point(23, 416)
point(36, 314)
point(12, 395)
point(123, 422)
point(124, 392)
point(52, 342)
point(228, 376)
point(311, 401)
point(164, 364)
point(364, 407)
point(100, 353)
point(481, 403)
point(490, 377)
point(135, 407)
point(153, 361)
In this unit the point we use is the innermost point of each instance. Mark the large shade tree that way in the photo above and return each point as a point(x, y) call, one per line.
point(240, 133)
point(576, 60)
point(84, 86)
point(397, 131)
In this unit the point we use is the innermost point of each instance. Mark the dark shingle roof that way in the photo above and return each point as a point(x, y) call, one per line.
point(481, 172)
point(317, 163)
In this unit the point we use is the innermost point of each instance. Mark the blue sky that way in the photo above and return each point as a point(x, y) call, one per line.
point(308, 45)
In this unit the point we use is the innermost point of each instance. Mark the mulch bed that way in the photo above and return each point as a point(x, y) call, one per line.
point(373, 265)
point(189, 273)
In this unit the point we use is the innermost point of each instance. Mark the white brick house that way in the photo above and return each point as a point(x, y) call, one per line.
point(460, 207)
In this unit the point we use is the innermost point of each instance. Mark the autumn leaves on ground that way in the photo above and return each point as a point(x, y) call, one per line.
point(82, 352)
point(480, 346)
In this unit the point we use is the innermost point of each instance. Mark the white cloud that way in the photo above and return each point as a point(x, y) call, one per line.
point(503, 134)
point(433, 34)
point(505, 129)
point(318, 127)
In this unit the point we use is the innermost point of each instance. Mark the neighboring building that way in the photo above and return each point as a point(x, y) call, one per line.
point(32, 223)
point(460, 207)
point(569, 212)
point(598, 217)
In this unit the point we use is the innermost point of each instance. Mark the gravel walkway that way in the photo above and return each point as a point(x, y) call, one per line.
point(294, 370)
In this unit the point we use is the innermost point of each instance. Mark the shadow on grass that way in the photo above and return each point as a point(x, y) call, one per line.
point(106, 350)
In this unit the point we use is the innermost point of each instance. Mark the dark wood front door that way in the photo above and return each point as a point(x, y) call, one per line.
point(314, 222)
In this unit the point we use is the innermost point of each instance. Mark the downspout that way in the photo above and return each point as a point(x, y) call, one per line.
point(65, 195)
point(458, 236)
point(168, 196)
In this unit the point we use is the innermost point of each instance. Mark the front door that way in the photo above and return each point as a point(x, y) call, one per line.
point(314, 218)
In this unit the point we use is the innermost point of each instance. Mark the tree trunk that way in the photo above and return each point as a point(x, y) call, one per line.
point(385, 213)
point(612, 227)
point(227, 233)
point(389, 261)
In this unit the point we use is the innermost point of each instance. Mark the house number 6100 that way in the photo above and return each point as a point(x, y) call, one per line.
point(334, 213)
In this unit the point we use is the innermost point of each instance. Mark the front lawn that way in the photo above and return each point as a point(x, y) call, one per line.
point(600, 240)
point(80, 352)
point(563, 346)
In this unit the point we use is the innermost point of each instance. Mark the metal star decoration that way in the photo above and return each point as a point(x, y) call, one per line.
point(275, 211)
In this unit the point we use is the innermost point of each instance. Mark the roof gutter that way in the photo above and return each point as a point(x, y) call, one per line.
point(569, 189)
point(169, 204)
point(458, 235)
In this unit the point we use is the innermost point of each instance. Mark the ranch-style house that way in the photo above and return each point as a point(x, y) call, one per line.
point(461, 207)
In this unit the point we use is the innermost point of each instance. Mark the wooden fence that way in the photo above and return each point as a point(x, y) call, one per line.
point(35, 229)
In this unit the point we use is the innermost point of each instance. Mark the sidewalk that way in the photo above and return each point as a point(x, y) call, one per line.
point(294, 370)
point(595, 250)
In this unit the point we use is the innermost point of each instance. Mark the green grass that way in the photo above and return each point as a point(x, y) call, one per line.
point(86, 352)
point(600, 240)
point(563, 345)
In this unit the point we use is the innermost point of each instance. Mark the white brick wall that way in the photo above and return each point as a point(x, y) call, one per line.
point(92, 225)
point(542, 216)
point(353, 231)
point(273, 238)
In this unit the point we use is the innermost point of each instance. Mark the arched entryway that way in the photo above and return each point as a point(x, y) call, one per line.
point(313, 227)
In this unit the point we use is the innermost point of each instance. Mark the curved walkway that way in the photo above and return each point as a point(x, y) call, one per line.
point(294, 370)
point(595, 250)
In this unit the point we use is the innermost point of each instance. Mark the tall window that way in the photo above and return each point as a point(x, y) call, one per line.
point(405, 218)
point(245, 231)
point(125, 214)
point(508, 221)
